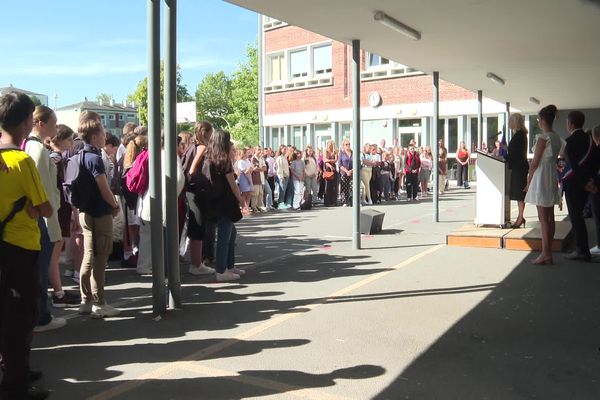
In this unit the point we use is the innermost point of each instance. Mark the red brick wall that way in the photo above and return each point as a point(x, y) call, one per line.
point(417, 89)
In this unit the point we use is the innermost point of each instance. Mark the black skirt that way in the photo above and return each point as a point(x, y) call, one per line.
point(518, 180)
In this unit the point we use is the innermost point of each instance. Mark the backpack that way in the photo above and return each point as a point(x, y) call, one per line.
point(138, 176)
point(186, 164)
point(207, 189)
point(306, 203)
point(78, 183)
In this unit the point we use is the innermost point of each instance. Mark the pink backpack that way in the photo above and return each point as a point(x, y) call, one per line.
point(138, 176)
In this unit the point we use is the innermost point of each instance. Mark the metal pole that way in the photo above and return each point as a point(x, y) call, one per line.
point(261, 129)
point(434, 146)
point(357, 145)
point(170, 101)
point(480, 118)
point(507, 132)
point(158, 271)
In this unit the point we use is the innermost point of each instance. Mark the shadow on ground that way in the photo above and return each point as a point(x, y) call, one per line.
point(536, 335)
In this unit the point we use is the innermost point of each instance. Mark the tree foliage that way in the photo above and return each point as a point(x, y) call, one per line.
point(244, 99)
point(105, 98)
point(140, 95)
point(213, 99)
point(232, 102)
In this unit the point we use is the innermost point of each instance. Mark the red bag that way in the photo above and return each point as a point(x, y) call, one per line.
point(138, 176)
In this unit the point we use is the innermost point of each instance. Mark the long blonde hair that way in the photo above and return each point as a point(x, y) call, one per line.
point(134, 148)
point(519, 121)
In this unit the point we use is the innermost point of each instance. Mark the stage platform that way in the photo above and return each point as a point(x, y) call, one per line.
point(527, 238)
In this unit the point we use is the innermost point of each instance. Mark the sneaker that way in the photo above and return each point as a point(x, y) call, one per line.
point(85, 307)
point(54, 323)
point(202, 269)
point(68, 273)
point(238, 271)
point(227, 276)
point(595, 251)
point(68, 298)
point(575, 256)
point(105, 310)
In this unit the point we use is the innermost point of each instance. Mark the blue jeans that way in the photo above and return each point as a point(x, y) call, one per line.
point(283, 184)
point(44, 266)
point(226, 234)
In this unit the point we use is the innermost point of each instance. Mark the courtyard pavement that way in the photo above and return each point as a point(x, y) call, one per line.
point(407, 317)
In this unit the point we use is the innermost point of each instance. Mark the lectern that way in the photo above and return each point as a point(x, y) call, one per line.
point(493, 203)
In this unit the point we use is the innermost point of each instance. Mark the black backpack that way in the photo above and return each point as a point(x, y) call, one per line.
point(79, 183)
point(208, 188)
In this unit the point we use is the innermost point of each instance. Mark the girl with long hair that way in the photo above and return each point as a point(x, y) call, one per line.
point(518, 164)
point(330, 159)
point(218, 155)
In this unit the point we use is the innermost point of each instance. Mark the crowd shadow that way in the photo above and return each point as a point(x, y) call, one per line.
point(536, 335)
point(228, 385)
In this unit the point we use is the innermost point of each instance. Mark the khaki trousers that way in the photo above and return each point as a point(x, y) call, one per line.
point(97, 244)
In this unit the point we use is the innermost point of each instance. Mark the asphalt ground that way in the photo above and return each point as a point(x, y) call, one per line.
point(405, 318)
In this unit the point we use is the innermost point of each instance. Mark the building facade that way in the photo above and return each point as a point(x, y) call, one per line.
point(42, 98)
point(114, 116)
point(307, 96)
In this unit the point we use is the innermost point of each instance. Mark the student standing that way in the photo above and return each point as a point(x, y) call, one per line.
point(44, 126)
point(23, 196)
point(578, 182)
point(96, 221)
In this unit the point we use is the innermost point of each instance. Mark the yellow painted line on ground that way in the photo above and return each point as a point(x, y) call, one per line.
point(218, 347)
point(275, 386)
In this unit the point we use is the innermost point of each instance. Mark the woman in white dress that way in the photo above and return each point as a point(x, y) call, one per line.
point(542, 181)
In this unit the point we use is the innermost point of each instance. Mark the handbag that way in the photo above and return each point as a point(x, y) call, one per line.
point(328, 175)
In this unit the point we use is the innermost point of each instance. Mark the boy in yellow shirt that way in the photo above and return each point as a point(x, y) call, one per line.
point(23, 200)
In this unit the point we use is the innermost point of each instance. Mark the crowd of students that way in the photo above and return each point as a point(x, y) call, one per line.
point(62, 190)
point(290, 178)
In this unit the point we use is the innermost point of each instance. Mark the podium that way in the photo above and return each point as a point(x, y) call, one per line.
point(493, 203)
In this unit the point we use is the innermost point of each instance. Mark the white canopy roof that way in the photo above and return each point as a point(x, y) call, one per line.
point(547, 49)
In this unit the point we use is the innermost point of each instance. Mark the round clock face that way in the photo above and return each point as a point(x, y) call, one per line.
point(374, 99)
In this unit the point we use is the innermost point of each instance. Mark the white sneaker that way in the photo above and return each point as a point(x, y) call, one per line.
point(238, 271)
point(202, 269)
point(105, 310)
point(85, 307)
point(595, 251)
point(227, 276)
point(54, 323)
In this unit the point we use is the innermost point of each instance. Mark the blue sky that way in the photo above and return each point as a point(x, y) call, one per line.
point(78, 49)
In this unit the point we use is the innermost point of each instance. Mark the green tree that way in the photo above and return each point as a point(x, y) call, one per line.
point(243, 118)
point(140, 95)
point(213, 99)
point(105, 98)
point(36, 101)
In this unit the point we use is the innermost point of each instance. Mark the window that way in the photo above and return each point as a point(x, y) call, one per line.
point(347, 131)
point(474, 134)
point(492, 131)
point(131, 116)
point(121, 117)
point(452, 134)
point(534, 129)
point(298, 134)
point(276, 68)
point(375, 60)
point(111, 117)
point(299, 63)
point(277, 138)
point(103, 117)
point(322, 60)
